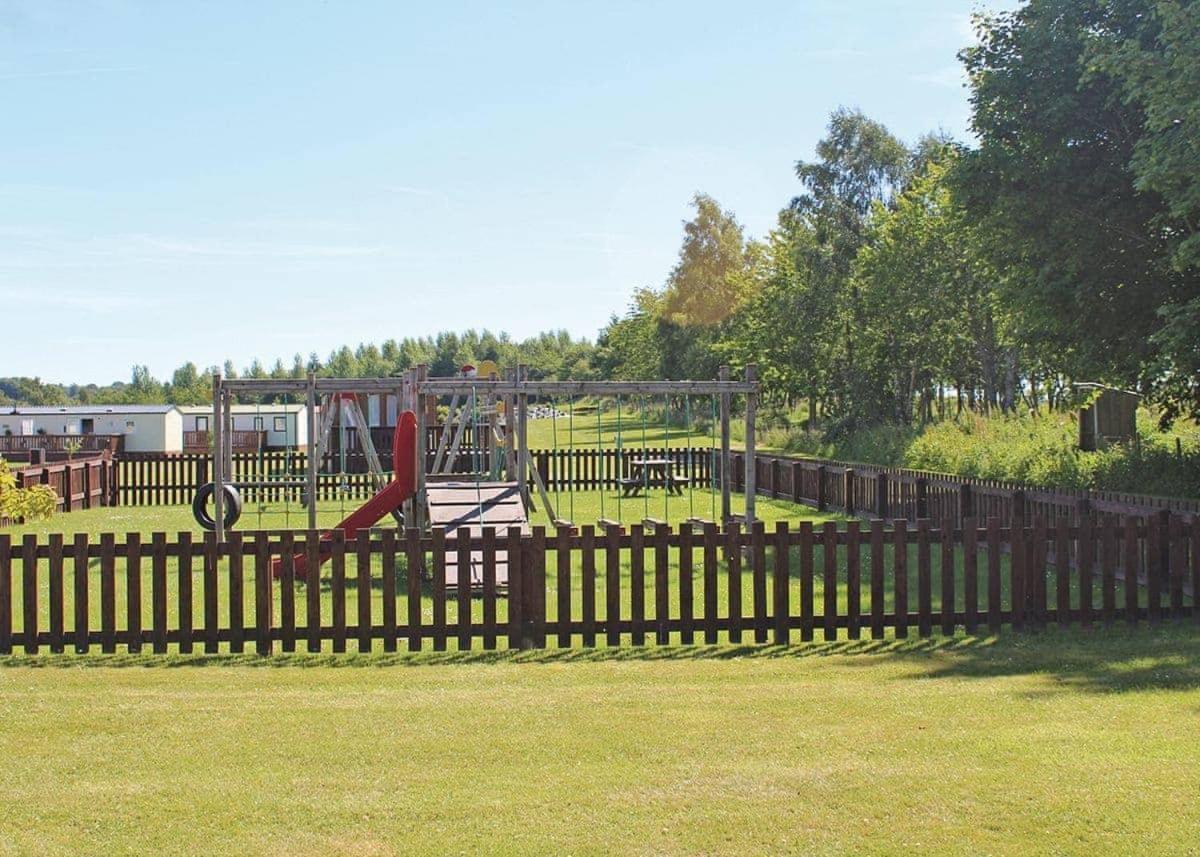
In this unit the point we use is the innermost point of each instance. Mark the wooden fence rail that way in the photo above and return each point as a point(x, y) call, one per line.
point(866, 490)
point(586, 587)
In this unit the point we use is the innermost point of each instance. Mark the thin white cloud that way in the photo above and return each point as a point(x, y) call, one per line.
point(253, 249)
point(69, 72)
point(427, 193)
point(97, 302)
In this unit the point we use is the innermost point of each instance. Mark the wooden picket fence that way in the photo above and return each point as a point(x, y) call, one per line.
point(83, 483)
point(172, 479)
point(867, 490)
point(584, 587)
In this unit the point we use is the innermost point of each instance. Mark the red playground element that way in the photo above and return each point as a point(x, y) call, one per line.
point(402, 486)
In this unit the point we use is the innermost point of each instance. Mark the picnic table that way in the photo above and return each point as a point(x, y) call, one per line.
point(650, 473)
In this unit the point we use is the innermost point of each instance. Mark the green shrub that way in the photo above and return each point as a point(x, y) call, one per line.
point(31, 504)
point(1036, 449)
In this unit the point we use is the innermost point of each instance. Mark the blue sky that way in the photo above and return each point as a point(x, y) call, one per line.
point(202, 181)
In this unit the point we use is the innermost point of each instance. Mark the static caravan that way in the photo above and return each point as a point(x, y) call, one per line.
point(254, 426)
point(145, 428)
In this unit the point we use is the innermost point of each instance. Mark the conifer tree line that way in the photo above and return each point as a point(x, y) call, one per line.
point(905, 280)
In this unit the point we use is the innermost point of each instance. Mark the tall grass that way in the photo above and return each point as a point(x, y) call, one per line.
point(1038, 449)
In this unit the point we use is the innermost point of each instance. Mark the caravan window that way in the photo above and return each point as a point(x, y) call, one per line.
point(281, 424)
point(201, 423)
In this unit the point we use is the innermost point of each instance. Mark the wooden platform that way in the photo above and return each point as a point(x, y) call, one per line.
point(469, 507)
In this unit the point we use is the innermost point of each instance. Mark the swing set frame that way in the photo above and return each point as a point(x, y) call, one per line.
point(416, 391)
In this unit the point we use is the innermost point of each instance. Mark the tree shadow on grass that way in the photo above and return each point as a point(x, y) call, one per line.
point(1111, 660)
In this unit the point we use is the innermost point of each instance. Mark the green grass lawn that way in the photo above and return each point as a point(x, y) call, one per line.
point(1054, 742)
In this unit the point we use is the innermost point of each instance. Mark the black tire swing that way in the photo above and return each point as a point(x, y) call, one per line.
point(233, 505)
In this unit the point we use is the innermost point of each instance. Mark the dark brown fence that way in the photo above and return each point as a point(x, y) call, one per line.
point(172, 479)
point(613, 587)
point(83, 483)
point(872, 491)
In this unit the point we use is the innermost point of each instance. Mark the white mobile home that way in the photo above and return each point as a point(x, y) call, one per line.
point(145, 428)
point(271, 426)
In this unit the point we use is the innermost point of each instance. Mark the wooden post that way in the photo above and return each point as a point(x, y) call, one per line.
point(218, 458)
point(523, 436)
point(751, 460)
point(881, 496)
point(822, 497)
point(848, 477)
point(922, 498)
point(310, 394)
point(797, 482)
point(422, 402)
point(726, 463)
point(965, 503)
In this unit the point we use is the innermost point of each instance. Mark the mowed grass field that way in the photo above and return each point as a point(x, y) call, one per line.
point(1046, 743)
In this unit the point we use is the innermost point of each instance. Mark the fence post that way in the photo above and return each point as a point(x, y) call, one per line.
point(965, 502)
point(1017, 520)
point(849, 490)
point(774, 477)
point(822, 499)
point(922, 498)
point(881, 496)
point(797, 481)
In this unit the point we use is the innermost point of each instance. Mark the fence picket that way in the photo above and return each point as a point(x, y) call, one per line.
point(264, 606)
point(853, 581)
point(710, 582)
point(877, 592)
point(415, 563)
point(388, 571)
point(806, 581)
point(948, 588)
point(55, 592)
point(588, 549)
point(337, 590)
point(362, 589)
point(79, 550)
point(687, 610)
point(900, 576)
point(993, 574)
point(1132, 562)
point(29, 593)
point(662, 595)
point(733, 586)
point(829, 588)
point(108, 592)
point(637, 584)
point(758, 571)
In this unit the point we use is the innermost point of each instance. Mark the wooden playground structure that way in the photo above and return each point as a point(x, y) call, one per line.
point(491, 483)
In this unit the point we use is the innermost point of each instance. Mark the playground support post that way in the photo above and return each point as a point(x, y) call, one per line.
point(423, 407)
point(751, 463)
point(726, 475)
point(218, 438)
point(523, 436)
point(310, 395)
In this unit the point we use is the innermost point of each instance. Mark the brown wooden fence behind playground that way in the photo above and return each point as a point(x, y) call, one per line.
point(872, 491)
point(172, 479)
point(586, 588)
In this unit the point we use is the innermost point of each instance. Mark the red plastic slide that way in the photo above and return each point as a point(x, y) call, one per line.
point(402, 486)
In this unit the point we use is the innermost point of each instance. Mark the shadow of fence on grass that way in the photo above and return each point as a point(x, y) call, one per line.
point(1119, 660)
